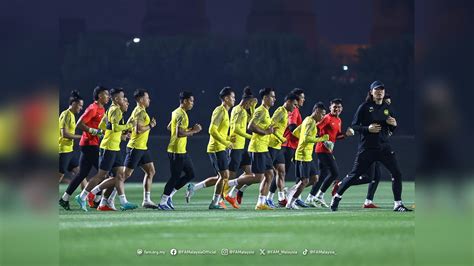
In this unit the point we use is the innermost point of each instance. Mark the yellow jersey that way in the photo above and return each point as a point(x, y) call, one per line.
point(307, 133)
point(115, 124)
point(261, 118)
point(238, 126)
point(179, 118)
point(67, 120)
point(280, 121)
point(218, 130)
point(139, 140)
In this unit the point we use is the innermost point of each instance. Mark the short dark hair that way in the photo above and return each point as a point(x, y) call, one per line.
point(139, 93)
point(264, 92)
point(247, 93)
point(75, 97)
point(297, 91)
point(97, 91)
point(185, 95)
point(319, 105)
point(226, 91)
point(115, 91)
point(336, 101)
point(291, 97)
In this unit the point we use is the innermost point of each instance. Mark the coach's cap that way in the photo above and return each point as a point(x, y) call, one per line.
point(377, 85)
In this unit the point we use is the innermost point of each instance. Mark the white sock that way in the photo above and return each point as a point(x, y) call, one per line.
point(112, 195)
point(103, 202)
point(173, 192)
point(95, 190)
point(291, 202)
point(310, 197)
point(243, 188)
point(199, 186)
point(66, 196)
point(146, 196)
point(216, 198)
point(233, 183)
point(367, 202)
point(281, 195)
point(261, 199)
point(270, 195)
point(397, 203)
point(232, 192)
point(320, 194)
point(337, 195)
point(83, 195)
point(164, 199)
point(123, 199)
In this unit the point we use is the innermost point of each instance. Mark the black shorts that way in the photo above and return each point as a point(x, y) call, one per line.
point(289, 154)
point(136, 157)
point(277, 156)
point(305, 170)
point(67, 162)
point(261, 162)
point(110, 159)
point(238, 158)
point(220, 160)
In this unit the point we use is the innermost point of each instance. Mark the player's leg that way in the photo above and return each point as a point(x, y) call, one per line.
point(189, 174)
point(246, 166)
point(328, 161)
point(220, 161)
point(375, 173)
point(89, 158)
point(148, 169)
point(176, 167)
point(362, 163)
point(266, 166)
point(106, 164)
point(389, 160)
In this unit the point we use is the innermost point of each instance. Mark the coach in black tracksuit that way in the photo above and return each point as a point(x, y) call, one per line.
point(374, 122)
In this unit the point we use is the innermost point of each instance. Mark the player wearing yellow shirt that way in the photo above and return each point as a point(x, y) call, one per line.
point(137, 149)
point(180, 161)
point(110, 155)
point(67, 135)
point(305, 166)
point(220, 142)
point(280, 121)
point(261, 127)
point(239, 156)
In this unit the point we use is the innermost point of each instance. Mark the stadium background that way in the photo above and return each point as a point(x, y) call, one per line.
point(202, 46)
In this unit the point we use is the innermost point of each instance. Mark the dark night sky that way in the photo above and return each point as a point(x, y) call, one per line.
point(340, 21)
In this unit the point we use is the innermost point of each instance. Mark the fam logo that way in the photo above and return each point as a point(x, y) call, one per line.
point(386, 112)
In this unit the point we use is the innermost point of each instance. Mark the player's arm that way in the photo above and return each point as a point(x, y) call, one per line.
point(253, 127)
point(86, 118)
point(115, 118)
point(309, 138)
point(391, 122)
point(277, 119)
point(185, 132)
point(238, 129)
point(216, 119)
point(358, 121)
point(63, 121)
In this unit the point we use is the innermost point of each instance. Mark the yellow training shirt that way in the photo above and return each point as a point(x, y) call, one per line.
point(67, 120)
point(261, 118)
point(218, 130)
point(179, 118)
point(139, 140)
point(280, 121)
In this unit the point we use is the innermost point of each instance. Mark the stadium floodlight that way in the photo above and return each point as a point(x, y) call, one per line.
point(136, 40)
point(345, 68)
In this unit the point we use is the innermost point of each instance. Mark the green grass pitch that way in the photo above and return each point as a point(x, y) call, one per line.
point(351, 236)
